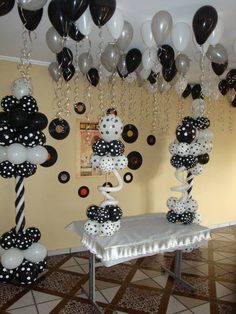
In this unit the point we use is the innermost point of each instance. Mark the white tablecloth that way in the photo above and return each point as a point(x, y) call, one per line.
point(141, 236)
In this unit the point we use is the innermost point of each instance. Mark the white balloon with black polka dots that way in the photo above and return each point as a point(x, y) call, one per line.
point(106, 164)
point(197, 169)
point(195, 149)
point(120, 162)
point(173, 148)
point(183, 149)
point(107, 228)
point(191, 205)
point(110, 127)
point(171, 202)
point(95, 160)
point(116, 225)
point(197, 219)
point(179, 207)
point(92, 227)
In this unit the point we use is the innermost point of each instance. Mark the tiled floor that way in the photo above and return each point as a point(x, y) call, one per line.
point(137, 286)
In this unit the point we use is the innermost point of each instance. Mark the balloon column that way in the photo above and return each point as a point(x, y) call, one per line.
point(108, 156)
point(189, 153)
point(21, 150)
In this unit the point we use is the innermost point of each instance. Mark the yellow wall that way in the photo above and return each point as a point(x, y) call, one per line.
point(51, 205)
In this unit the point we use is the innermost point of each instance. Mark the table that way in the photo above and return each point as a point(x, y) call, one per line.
point(141, 236)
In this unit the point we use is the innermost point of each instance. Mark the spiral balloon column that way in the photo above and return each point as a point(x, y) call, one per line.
point(21, 150)
point(189, 154)
point(108, 156)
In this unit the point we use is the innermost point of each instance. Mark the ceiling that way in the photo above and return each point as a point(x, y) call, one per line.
point(134, 11)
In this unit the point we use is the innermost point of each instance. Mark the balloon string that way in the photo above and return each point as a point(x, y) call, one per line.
point(100, 87)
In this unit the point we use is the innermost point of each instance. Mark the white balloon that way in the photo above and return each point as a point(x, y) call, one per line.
point(92, 227)
point(108, 228)
point(149, 58)
point(206, 134)
point(95, 160)
point(35, 253)
point(197, 169)
point(179, 207)
point(16, 153)
point(21, 87)
point(197, 219)
point(173, 148)
point(110, 127)
point(37, 155)
point(120, 162)
point(143, 74)
point(32, 5)
point(3, 153)
point(183, 149)
point(85, 23)
point(106, 164)
point(180, 35)
point(115, 24)
point(12, 258)
point(195, 149)
point(146, 33)
point(116, 225)
point(181, 85)
point(191, 205)
point(217, 33)
point(171, 202)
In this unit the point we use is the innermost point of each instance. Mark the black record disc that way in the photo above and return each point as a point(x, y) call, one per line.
point(128, 177)
point(79, 108)
point(130, 133)
point(52, 156)
point(83, 191)
point(59, 129)
point(135, 160)
point(64, 176)
point(151, 140)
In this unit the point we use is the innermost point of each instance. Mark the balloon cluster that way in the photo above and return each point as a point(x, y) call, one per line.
point(189, 153)
point(227, 86)
point(23, 257)
point(21, 136)
point(108, 156)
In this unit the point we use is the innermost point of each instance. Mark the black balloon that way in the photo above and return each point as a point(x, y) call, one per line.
point(185, 133)
point(41, 265)
point(38, 121)
point(116, 148)
point(65, 57)
point(3, 118)
point(133, 59)
point(29, 104)
point(152, 79)
point(177, 161)
point(186, 218)
point(27, 273)
point(7, 169)
point(169, 73)
point(233, 103)
point(187, 91)
point(219, 68)
point(197, 91)
point(57, 16)
point(8, 103)
point(100, 147)
point(7, 135)
point(223, 87)
point(33, 233)
point(203, 159)
point(18, 118)
point(231, 78)
point(74, 32)
point(68, 72)
point(6, 275)
point(25, 170)
point(23, 241)
point(166, 55)
point(31, 137)
point(92, 212)
point(7, 240)
point(30, 19)
point(102, 10)
point(6, 6)
point(171, 216)
point(204, 22)
point(75, 8)
point(189, 161)
point(115, 212)
point(93, 76)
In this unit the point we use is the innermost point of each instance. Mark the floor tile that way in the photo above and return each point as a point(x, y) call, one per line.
point(24, 310)
point(98, 297)
point(81, 260)
point(110, 293)
point(70, 262)
point(149, 282)
point(75, 269)
point(47, 307)
point(161, 280)
point(101, 285)
point(73, 306)
point(174, 306)
point(230, 298)
point(201, 309)
point(8, 292)
point(85, 268)
point(41, 297)
point(222, 291)
point(151, 273)
point(139, 275)
point(230, 285)
point(190, 302)
point(26, 300)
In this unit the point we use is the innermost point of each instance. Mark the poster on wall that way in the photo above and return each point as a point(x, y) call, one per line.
point(88, 134)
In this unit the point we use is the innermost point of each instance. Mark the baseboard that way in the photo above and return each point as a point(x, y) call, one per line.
point(67, 251)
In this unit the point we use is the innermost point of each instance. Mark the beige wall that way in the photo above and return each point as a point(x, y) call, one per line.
point(51, 205)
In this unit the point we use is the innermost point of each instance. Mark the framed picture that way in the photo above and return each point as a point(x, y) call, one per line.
point(87, 134)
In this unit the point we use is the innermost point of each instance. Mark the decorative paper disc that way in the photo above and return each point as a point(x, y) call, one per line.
point(128, 177)
point(83, 191)
point(130, 133)
point(151, 140)
point(59, 129)
point(64, 176)
point(135, 160)
point(79, 108)
point(52, 156)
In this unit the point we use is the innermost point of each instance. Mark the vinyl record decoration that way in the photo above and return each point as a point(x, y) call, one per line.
point(108, 156)
point(189, 153)
point(21, 150)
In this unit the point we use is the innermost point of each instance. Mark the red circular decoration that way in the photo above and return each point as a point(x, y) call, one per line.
point(83, 191)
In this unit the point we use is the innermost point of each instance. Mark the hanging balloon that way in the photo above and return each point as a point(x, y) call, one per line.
point(180, 35)
point(115, 24)
point(217, 53)
point(68, 72)
point(182, 63)
point(30, 19)
point(21, 87)
point(75, 8)
point(219, 69)
point(110, 57)
point(54, 71)
point(204, 22)
point(85, 62)
point(169, 73)
point(65, 57)
point(217, 33)
point(161, 26)
point(56, 14)
point(196, 91)
point(74, 32)
point(152, 78)
point(162, 85)
point(231, 78)
point(85, 23)
point(223, 87)
point(149, 58)
point(6, 6)
point(32, 5)
point(93, 76)
point(187, 91)
point(133, 59)
point(121, 67)
point(166, 55)
point(54, 40)
point(203, 159)
point(102, 11)
point(146, 33)
point(126, 36)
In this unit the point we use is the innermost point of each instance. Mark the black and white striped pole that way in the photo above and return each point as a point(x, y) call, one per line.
point(20, 204)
